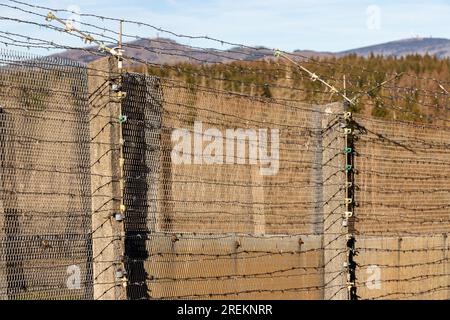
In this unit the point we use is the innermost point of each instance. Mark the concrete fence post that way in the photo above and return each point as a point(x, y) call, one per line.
point(107, 233)
point(334, 180)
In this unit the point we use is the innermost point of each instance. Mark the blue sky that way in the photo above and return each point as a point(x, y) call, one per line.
point(324, 25)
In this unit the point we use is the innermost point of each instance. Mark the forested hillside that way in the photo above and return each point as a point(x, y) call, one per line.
point(411, 88)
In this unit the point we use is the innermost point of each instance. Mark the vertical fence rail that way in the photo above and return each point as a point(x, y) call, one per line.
point(107, 209)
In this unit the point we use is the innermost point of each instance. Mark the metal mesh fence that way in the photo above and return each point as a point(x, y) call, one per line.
point(403, 173)
point(404, 197)
point(228, 191)
point(45, 179)
point(224, 195)
point(204, 220)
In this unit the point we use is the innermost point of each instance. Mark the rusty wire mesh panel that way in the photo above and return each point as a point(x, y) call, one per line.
point(221, 226)
point(210, 229)
point(45, 206)
point(404, 205)
point(142, 152)
point(202, 220)
point(404, 174)
point(236, 197)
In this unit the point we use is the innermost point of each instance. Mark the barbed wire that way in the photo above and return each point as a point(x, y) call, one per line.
point(316, 91)
point(218, 41)
point(390, 199)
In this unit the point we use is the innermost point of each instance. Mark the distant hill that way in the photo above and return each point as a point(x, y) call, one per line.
point(150, 50)
point(433, 46)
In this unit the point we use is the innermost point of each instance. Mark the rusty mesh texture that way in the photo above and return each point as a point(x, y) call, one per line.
point(204, 231)
point(403, 196)
point(208, 230)
point(211, 198)
point(45, 203)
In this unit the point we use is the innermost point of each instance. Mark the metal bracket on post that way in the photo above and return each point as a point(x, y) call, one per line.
point(349, 202)
point(116, 85)
point(122, 119)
